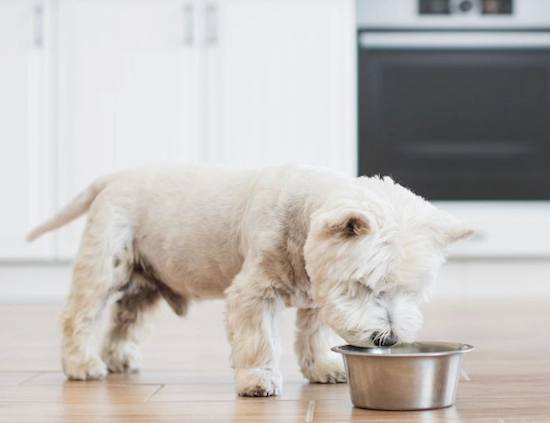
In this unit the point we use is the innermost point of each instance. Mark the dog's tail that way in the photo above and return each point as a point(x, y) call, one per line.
point(76, 208)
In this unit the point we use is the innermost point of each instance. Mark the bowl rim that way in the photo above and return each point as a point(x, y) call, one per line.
point(453, 348)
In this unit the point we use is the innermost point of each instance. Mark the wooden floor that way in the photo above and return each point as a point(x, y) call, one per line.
point(186, 377)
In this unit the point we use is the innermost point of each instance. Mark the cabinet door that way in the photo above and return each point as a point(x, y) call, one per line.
point(25, 150)
point(281, 81)
point(125, 80)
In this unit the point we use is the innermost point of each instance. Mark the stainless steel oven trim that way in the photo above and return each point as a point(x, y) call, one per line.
point(453, 40)
point(404, 14)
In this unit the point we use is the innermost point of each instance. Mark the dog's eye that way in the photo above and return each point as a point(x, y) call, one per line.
point(381, 293)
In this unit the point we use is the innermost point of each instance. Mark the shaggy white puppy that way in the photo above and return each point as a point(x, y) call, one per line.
point(355, 255)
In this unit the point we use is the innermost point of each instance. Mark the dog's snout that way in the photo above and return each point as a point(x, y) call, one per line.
point(384, 340)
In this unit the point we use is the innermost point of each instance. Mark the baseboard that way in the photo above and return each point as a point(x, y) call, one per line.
point(34, 282)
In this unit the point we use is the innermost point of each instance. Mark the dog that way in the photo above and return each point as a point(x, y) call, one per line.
point(355, 256)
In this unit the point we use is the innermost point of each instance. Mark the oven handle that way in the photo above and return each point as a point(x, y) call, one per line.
point(453, 40)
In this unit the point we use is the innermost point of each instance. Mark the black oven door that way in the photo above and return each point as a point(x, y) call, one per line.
point(457, 116)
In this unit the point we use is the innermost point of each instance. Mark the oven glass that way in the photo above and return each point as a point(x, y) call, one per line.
point(460, 125)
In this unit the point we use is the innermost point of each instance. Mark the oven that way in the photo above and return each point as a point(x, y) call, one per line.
point(454, 103)
point(457, 112)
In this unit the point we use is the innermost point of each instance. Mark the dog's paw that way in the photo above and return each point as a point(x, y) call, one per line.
point(122, 357)
point(258, 382)
point(90, 369)
point(324, 370)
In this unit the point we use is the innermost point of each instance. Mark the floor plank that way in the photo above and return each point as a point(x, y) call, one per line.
point(16, 378)
point(226, 392)
point(71, 392)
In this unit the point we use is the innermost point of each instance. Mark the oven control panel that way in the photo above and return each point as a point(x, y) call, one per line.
point(465, 7)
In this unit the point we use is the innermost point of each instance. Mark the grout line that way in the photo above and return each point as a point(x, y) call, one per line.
point(310, 411)
point(30, 378)
point(154, 393)
point(464, 375)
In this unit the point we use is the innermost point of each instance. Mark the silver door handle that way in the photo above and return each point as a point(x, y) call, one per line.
point(454, 40)
point(211, 24)
point(38, 31)
point(188, 21)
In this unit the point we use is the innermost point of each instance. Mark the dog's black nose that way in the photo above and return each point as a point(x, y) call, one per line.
point(384, 341)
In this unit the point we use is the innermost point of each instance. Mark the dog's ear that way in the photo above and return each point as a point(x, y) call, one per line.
point(449, 229)
point(349, 225)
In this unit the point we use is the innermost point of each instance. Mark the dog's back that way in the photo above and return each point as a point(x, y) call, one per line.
point(196, 224)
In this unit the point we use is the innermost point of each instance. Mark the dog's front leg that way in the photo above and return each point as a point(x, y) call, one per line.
point(252, 329)
point(313, 342)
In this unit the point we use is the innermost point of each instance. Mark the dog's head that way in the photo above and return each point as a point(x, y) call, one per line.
point(373, 254)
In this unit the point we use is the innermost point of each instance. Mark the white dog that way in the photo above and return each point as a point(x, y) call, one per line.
point(355, 255)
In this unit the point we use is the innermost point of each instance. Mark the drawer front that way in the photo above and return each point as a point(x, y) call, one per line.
point(502, 229)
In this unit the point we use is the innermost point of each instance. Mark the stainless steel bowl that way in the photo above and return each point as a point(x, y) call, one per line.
point(416, 376)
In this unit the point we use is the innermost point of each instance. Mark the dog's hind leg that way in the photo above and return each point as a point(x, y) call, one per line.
point(140, 297)
point(313, 342)
point(102, 266)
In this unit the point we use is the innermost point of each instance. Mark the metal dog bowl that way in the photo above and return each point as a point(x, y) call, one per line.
point(416, 376)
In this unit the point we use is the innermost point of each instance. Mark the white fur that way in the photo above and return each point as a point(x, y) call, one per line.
point(355, 255)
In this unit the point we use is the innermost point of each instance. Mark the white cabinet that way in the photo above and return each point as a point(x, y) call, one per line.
point(25, 148)
point(281, 83)
point(126, 91)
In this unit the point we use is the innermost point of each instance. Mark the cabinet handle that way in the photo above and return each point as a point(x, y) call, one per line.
point(38, 25)
point(188, 27)
point(211, 23)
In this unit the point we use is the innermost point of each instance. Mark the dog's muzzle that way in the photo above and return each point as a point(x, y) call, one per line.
point(384, 341)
